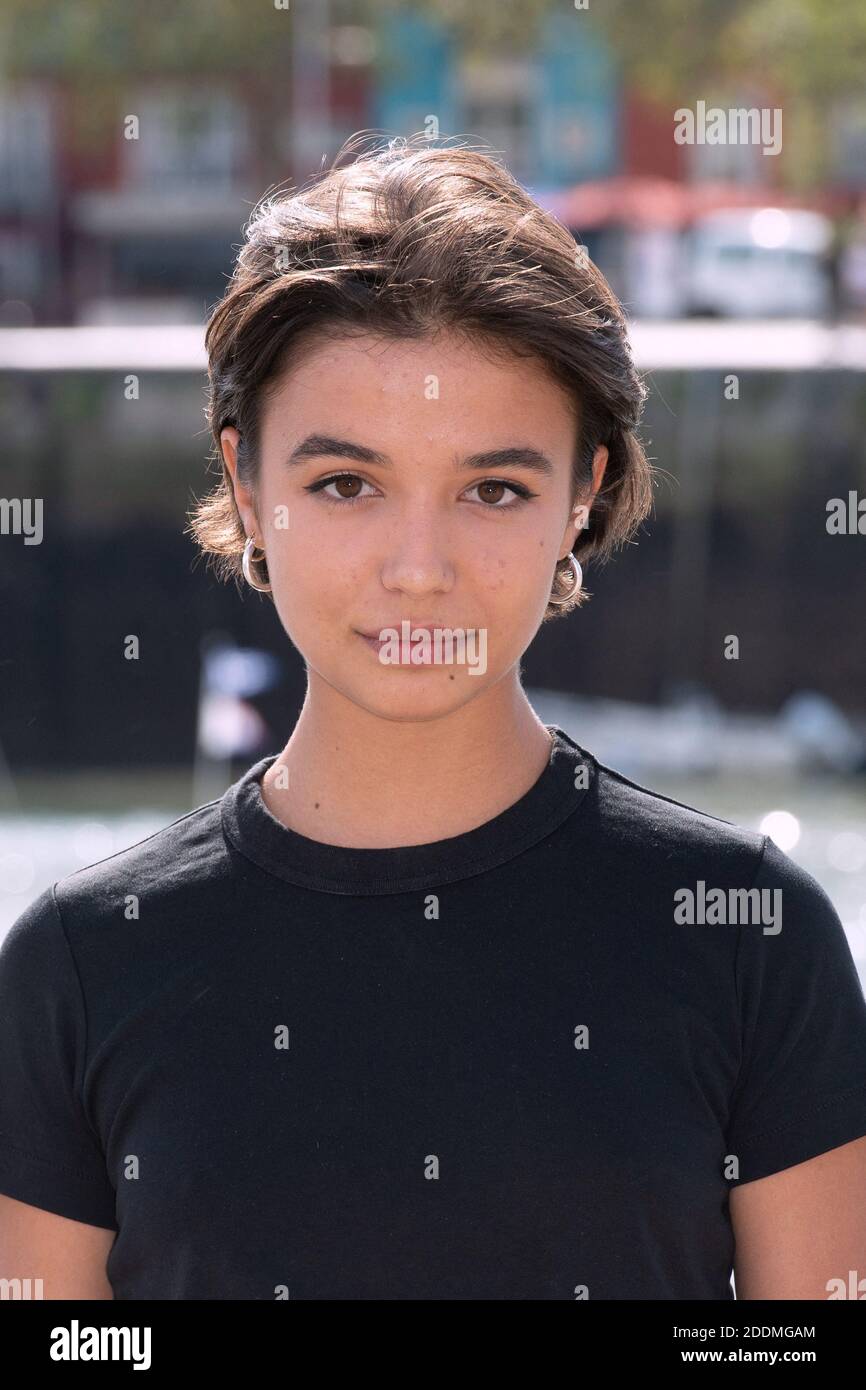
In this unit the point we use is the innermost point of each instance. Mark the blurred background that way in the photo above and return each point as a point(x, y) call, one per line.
point(712, 160)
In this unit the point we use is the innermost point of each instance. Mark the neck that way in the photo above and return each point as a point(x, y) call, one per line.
point(356, 779)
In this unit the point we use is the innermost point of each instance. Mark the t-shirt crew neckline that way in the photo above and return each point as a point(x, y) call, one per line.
point(257, 834)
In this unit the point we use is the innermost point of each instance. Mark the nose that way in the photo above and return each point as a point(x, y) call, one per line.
point(417, 561)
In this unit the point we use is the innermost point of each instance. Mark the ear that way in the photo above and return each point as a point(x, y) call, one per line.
point(229, 441)
point(244, 500)
point(579, 517)
point(599, 464)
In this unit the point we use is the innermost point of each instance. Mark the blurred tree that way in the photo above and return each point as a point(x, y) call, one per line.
point(803, 47)
point(808, 56)
point(809, 53)
point(103, 50)
point(99, 38)
point(96, 47)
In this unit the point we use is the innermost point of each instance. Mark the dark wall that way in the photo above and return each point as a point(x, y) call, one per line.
point(737, 544)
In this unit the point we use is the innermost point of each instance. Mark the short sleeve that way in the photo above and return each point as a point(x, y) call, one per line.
point(801, 1089)
point(49, 1154)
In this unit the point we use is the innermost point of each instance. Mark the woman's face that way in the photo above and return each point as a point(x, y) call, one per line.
point(419, 530)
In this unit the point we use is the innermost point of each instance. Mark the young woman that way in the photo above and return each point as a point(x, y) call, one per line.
point(430, 1004)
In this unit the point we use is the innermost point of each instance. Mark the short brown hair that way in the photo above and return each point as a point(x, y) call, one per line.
point(401, 241)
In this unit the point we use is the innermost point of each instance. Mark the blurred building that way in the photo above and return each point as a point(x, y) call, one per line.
point(142, 229)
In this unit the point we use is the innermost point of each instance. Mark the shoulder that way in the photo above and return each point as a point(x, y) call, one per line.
point(177, 862)
point(661, 838)
point(652, 829)
point(119, 930)
point(187, 854)
point(166, 883)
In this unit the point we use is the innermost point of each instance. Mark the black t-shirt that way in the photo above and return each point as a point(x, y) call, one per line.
point(511, 1064)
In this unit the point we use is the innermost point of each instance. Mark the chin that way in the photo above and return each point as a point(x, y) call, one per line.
point(417, 698)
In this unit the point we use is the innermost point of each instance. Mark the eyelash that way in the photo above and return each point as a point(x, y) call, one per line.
point(522, 493)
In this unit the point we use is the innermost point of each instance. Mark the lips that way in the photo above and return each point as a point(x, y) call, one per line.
point(397, 627)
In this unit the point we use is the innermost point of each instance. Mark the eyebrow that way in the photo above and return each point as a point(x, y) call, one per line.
point(517, 456)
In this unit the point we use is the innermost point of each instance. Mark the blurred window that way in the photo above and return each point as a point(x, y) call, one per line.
point(26, 148)
point(498, 105)
point(781, 255)
point(187, 140)
point(506, 125)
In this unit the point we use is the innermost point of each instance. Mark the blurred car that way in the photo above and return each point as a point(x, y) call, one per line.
point(758, 262)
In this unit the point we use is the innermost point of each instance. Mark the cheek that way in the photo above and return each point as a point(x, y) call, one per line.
point(509, 569)
point(314, 583)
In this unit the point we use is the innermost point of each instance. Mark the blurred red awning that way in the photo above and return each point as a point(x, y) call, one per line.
point(651, 202)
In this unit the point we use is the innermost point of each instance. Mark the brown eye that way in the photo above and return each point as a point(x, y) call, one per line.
point(347, 486)
point(492, 491)
point(485, 489)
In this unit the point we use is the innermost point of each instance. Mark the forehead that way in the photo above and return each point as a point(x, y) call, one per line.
point(444, 380)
